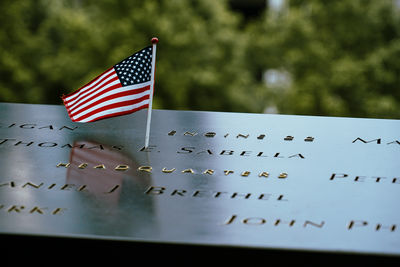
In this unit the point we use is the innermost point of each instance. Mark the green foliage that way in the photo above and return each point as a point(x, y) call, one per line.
point(342, 57)
point(61, 45)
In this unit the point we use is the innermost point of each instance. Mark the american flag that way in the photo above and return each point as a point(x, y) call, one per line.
point(122, 89)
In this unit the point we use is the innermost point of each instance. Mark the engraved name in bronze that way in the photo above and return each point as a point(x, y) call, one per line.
point(195, 151)
point(260, 136)
point(23, 209)
point(377, 141)
point(352, 225)
point(46, 186)
point(169, 170)
point(214, 194)
point(346, 177)
point(31, 126)
point(13, 142)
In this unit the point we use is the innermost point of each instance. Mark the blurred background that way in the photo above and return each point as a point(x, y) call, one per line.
point(330, 58)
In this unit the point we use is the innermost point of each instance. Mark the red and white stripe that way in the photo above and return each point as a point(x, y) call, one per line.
point(106, 97)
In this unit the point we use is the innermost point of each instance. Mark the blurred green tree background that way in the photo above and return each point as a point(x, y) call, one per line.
point(335, 58)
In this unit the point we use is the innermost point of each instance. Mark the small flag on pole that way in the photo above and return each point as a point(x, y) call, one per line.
point(122, 89)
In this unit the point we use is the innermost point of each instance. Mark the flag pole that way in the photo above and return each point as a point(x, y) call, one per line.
point(154, 41)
